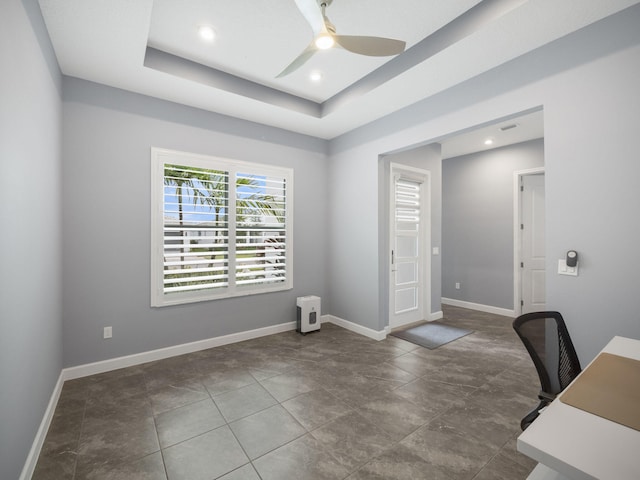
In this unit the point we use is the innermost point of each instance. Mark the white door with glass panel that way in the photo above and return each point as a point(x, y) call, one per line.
point(407, 247)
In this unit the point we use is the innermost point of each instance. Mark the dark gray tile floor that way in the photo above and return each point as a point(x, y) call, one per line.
point(328, 405)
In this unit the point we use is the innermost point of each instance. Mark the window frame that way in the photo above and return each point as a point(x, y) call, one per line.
point(159, 158)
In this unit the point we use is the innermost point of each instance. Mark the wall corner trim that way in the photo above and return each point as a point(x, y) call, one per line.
point(481, 308)
point(36, 447)
point(435, 316)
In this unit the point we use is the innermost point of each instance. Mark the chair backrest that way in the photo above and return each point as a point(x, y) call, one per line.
point(547, 340)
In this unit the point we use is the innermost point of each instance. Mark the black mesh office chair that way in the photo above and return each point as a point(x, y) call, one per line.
point(547, 340)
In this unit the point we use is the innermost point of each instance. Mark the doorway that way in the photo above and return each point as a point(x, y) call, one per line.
point(409, 263)
point(529, 289)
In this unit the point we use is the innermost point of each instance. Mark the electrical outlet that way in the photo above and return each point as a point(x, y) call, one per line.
point(457, 285)
point(108, 332)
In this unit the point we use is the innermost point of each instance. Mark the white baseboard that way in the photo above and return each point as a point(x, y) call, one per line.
point(435, 316)
point(161, 353)
point(354, 327)
point(477, 306)
point(36, 447)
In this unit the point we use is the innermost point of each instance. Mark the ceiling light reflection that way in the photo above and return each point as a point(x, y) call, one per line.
point(207, 33)
point(315, 76)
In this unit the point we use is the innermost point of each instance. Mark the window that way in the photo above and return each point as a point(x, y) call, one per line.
point(219, 228)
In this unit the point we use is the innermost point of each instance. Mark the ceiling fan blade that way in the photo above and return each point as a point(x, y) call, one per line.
point(299, 61)
point(311, 12)
point(371, 46)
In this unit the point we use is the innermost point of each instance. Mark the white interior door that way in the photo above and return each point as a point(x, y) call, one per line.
point(532, 197)
point(407, 259)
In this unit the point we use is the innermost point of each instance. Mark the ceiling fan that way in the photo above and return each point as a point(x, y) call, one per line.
point(324, 37)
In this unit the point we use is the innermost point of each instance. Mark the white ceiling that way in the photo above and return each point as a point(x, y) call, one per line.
point(257, 43)
point(529, 126)
point(105, 41)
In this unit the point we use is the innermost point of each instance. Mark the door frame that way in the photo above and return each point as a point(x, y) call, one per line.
point(517, 235)
point(414, 173)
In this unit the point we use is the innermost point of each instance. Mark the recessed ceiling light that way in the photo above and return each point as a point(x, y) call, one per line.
point(315, 76)
point(488, 141)
point(207, 33)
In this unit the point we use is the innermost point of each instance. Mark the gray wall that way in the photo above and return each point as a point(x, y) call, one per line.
point(353, 263)
point(587, 84)
point(30, 242)
point(477, 222)
point(107, 137)
point(428, 157)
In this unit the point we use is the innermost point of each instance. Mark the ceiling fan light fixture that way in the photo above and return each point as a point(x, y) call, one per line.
point(206, 33)
point(324, 41)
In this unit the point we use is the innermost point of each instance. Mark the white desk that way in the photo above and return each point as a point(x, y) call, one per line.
point(580, 445)
point(542, 472)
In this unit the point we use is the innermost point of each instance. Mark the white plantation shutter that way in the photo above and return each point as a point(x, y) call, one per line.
point(220, 228)
point(196, 231)
point(407, 205)
point(261, 239)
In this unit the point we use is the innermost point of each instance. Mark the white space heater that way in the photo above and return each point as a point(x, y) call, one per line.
point(308, 314)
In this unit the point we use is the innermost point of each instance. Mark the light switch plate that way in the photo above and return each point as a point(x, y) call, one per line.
point(564, 270)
